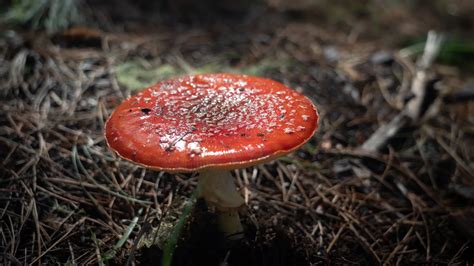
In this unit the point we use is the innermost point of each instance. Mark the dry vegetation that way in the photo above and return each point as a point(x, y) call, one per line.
point(66, 198)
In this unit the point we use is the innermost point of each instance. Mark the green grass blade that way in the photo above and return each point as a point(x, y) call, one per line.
point(171, 244)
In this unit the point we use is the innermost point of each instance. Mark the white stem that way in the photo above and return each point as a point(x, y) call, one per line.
point(219, 190)
point(229, 224)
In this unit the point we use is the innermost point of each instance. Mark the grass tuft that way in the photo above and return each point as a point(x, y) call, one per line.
point(50, 15)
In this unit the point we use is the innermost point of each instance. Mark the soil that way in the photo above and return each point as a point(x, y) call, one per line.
point(65, 198)
point(202, 244)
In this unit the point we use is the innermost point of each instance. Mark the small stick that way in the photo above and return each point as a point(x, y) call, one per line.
point(413, 110)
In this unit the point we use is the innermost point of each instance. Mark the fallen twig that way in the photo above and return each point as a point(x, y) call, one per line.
point(416, 106)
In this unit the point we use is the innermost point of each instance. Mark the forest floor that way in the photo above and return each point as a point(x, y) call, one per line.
point(340, 199)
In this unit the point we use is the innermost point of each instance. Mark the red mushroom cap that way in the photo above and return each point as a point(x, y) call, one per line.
point(206, 121)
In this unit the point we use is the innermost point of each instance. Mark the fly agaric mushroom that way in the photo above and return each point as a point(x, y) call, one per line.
point(211, 124)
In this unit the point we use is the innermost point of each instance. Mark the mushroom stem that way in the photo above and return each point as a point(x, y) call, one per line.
point(218, 189)
point(229, 224)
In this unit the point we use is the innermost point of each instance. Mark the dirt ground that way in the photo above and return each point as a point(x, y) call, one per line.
point(65, 198)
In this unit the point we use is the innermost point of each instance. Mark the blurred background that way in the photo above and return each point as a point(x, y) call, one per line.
point(379, 183)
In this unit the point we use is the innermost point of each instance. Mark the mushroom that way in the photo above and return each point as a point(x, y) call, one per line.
point(212, 124)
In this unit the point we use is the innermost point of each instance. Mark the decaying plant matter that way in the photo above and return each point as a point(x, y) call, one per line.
point(64, 197)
